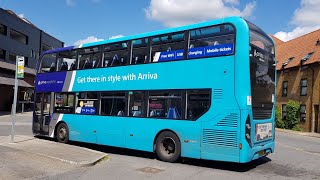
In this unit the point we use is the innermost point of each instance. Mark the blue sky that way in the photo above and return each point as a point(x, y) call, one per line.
point(78, 21)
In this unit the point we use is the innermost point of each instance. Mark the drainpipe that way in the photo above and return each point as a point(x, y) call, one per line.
point(313, 117)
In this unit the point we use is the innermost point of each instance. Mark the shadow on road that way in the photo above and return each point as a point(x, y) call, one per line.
point(228, 166)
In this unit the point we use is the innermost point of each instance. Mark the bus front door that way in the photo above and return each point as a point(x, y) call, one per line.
point(42, 113)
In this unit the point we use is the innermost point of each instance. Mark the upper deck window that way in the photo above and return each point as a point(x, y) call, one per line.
point(211, 41)
point(67, 61)
point(116, 54)
point(48, 63)
point(90, 58)
point(168, 47)
point(140, 51)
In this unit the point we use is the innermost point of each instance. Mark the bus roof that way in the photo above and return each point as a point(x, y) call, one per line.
point(148, 34)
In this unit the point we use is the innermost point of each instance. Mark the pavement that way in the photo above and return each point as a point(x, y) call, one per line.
point(297, 156)
point(73, 155)
point(309, 134)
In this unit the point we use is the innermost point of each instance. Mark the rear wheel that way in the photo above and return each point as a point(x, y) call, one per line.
point(62, 134)
point(168, 147)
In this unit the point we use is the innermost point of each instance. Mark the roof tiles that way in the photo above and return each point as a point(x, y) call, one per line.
point(297, 48)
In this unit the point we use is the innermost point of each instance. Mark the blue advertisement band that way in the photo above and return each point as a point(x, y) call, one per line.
point(52, 82)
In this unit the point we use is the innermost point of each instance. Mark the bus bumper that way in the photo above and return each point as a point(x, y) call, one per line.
point(248, 154)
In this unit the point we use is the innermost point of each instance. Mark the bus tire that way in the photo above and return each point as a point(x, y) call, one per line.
point(168, 147)
point(62, 133)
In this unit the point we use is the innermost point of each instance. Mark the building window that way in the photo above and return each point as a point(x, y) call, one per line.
point(2, 54)
point(46, 47)
point(303, 113)
point(284, 88)
point(64, 103)
point(18, 36)
point(306, 57)
point(3, 29)
point(284, 112)
point(287, 61)
point(13, 59)
point(303, 87)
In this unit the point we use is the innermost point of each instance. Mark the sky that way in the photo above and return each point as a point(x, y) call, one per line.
point(81, 21)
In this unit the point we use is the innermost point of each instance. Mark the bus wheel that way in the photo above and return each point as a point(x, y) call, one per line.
point(168, 147)
point(63, 133)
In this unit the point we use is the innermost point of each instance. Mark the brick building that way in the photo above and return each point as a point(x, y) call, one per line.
point(18, 36)
point(298, 77)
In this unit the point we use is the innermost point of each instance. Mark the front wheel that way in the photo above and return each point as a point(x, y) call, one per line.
point(62, 133)
point(168, 147)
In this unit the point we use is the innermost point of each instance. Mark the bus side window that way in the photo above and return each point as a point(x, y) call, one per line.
point(63, 103)
point(137, 104)
point(165, 104)
point(48, 63)
point(116, 54)
point(168, 47)
point(140, 51)
point(67, 60)
point(198, 102)
point(113, 104)
point(90, 58)
point(87, 103)
point(211, 36)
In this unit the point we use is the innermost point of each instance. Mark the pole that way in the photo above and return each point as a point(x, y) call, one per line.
point(14, 106)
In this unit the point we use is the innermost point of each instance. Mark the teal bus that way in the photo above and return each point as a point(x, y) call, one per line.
point(204, 91)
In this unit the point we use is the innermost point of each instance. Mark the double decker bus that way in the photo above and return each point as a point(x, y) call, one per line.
point(204, 91)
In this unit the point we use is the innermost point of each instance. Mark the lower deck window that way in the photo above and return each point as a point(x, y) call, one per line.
point(64, 103)
point(113, 104)
point(87, 103)
point(198, 103)
point(165, 105)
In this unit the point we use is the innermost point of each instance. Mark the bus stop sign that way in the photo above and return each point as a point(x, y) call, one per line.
point(20, 69)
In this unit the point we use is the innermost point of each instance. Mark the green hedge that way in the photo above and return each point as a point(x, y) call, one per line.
point(292, 120)
point(279, 121)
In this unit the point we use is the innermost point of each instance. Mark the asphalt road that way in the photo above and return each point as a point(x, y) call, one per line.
point(296, 157)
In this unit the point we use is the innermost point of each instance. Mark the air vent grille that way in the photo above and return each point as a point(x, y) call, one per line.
point(220, 138)
point(217, 94)
point(229, 121)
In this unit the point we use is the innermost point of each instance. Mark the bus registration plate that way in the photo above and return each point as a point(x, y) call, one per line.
point(263, 131)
